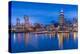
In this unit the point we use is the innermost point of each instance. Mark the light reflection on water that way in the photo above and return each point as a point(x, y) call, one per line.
point(75, 35)
point(36, 42)
point(60, 39)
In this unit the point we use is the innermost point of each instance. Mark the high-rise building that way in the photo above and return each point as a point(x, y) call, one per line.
point(61, 20)
point(61, 17)
point(17, 21)
point(75, 24)
point(26, 21)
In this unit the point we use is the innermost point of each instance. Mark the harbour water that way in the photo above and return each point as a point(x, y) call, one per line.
point(28, 42)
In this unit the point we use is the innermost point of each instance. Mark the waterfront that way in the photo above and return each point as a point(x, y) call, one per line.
point(22, 42)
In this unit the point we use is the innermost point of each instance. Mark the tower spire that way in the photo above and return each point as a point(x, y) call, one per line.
point(61, 11)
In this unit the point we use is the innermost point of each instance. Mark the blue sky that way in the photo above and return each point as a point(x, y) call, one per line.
point(41, 12)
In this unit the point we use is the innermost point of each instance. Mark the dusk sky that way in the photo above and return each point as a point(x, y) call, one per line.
point(41, 12)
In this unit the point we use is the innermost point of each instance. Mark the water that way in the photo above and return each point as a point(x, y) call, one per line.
point(27, 42)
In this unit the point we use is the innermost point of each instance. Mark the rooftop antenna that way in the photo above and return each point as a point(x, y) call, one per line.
point(62, 11)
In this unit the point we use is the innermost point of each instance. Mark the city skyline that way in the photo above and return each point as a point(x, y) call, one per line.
point(38, 11)
point(42, 26)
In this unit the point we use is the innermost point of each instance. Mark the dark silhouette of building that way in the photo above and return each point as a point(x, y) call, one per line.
point(61, 20)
